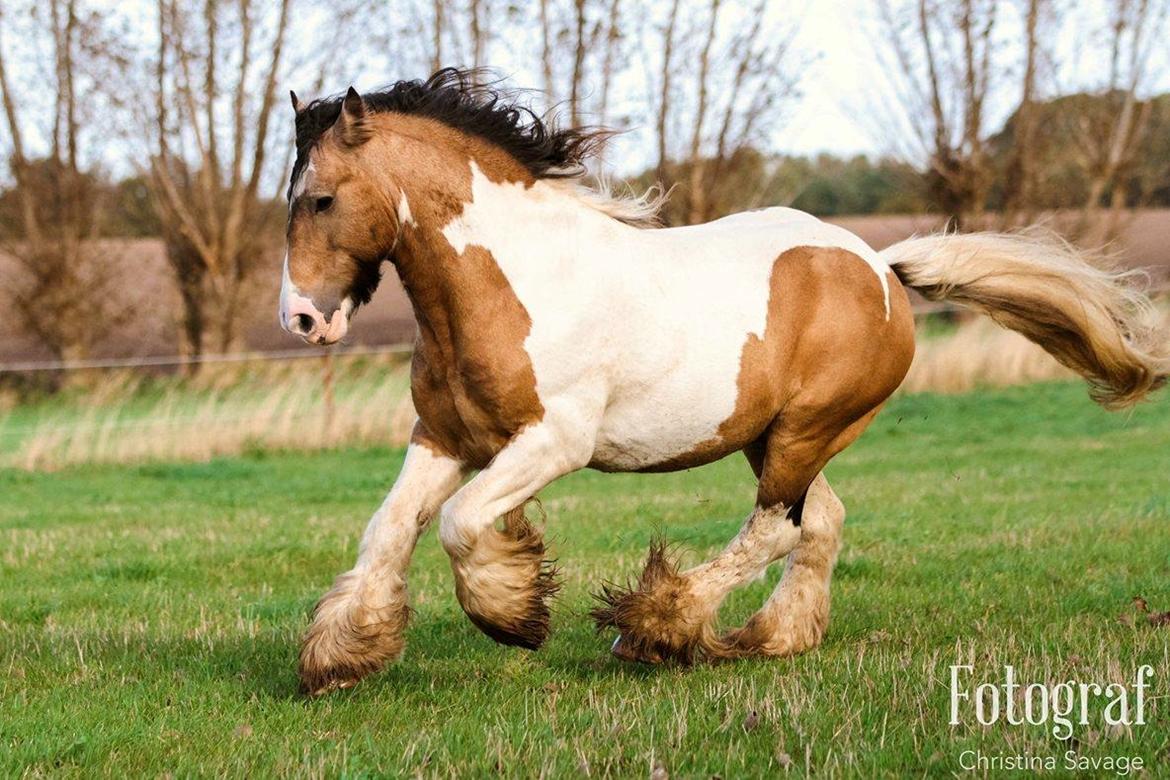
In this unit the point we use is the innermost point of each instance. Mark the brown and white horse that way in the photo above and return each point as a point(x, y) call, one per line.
point(559, 330)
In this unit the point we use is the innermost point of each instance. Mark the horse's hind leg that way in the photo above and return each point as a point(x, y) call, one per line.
point(669, 614)
point(796, 615)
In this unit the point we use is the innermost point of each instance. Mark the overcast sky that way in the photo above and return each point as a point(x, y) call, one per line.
point(827, 118)
point(844, 86)
point(845, 104)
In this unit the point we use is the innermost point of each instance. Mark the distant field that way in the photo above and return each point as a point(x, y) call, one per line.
point(149, 615)
point(387, 319)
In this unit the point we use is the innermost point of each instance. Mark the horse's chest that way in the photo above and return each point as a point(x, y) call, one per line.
point(473, 403)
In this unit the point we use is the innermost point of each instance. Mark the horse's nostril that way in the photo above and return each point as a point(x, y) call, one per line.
point(301, 324)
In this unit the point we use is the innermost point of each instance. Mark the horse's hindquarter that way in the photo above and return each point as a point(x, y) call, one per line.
point(732, 319)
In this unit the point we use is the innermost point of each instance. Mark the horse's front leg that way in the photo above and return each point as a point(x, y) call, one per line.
point(501, 576)
point(357, 626)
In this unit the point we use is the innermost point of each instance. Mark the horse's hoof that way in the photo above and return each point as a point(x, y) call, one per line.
point(322, 681)
point(624, 650)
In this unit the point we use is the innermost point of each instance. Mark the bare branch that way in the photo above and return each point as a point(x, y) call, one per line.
point(664, 97)
point(19, 161)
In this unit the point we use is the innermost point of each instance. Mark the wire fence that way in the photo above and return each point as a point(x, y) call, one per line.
point(122, 414)
point(920, 308)
point(182, 361)
point(190, 417)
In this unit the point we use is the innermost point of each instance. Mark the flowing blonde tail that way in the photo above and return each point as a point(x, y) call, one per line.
point(1094, 321)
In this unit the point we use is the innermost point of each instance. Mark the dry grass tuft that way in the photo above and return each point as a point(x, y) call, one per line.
point(127, 417)
point(122, 417)
point(979, 353)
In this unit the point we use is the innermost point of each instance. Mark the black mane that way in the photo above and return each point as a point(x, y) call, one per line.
point(453, 96)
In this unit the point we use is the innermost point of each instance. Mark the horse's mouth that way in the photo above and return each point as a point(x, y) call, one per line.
point(333, 332)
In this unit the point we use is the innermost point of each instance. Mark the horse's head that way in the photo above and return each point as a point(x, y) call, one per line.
point(341, 223)
point(358, 156)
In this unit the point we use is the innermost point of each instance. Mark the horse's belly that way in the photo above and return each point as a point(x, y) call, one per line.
point(651, 437)
point(685, 417)
point(678, 382)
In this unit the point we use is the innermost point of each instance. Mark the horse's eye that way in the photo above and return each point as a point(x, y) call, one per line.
point(322, 204)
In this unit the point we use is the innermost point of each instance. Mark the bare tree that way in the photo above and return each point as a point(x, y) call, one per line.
point(581, 43)
point(547, 37)
point(1111, 131)
point(664, 100)
point(437, 36)
point(1020, 176)
point(480, 15)
point(941, 65)
point(736, 94)
point(696, 192)
point(609, 63)
point(216, 77)
point(64, 289)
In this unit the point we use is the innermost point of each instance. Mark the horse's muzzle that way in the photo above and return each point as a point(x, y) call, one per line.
point(301, 318)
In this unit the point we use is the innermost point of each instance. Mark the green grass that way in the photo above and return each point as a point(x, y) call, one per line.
point(149, 616)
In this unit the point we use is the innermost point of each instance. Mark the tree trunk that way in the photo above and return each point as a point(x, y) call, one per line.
point(1020, 184)
point(664, 99)
point(696, 188)
point(578, 67)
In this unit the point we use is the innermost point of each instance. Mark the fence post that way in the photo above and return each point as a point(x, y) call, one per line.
point(327, 382)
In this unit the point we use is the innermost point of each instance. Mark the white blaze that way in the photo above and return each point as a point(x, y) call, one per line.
point(290, 297)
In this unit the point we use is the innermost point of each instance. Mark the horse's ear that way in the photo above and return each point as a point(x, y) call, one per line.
point(298, 106)
point(352, 126)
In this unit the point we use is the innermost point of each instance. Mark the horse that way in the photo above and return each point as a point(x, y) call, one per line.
point(561, 328)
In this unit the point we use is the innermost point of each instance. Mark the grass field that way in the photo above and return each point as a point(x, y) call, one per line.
point(149, 615)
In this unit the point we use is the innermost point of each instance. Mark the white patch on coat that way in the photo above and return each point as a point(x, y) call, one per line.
point(404, 215)
point(287, 290)
point(813, 232)
point(641, 329)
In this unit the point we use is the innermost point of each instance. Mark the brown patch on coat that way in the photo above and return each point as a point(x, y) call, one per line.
point(472, 381)
point(348, 640)
point(827, 343)
point(658, 619)
point(505, 581)
point(474, 393)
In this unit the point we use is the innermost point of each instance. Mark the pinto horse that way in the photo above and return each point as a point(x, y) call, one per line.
point(559, 329)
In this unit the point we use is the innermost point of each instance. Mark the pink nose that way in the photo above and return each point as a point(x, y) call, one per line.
point(302, 318)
